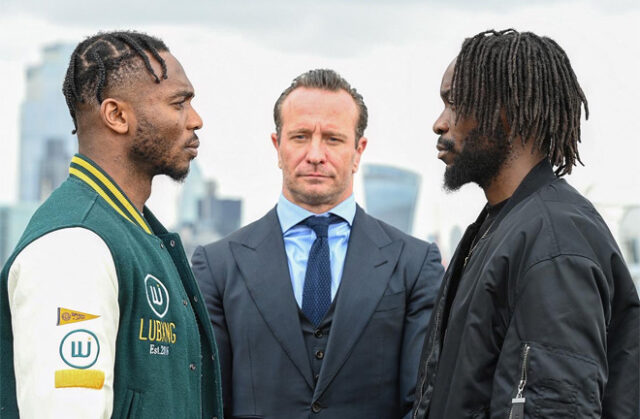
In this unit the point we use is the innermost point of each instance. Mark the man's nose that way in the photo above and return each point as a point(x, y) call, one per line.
point(195, 121)
point(441, 125)
point(316, 154)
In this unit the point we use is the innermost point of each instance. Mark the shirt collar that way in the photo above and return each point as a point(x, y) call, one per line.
point(291, 214)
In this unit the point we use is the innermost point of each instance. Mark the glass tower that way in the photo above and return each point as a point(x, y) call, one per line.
point(391, 194)
point(45, 126)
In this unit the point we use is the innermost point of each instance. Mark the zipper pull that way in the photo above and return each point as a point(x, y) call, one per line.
point(517, 408)
point(517, 403)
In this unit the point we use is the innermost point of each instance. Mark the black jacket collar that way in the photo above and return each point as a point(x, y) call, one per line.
point(540, 176)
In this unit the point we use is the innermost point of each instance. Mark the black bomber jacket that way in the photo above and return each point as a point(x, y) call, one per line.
point(545, 321)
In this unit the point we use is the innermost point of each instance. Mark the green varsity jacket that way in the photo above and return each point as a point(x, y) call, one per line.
point(166, 362)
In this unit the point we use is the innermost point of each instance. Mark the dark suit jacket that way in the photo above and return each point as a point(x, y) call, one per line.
point(382, 307)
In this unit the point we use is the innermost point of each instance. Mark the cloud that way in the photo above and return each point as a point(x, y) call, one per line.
point(240, 57)
point(329, 27)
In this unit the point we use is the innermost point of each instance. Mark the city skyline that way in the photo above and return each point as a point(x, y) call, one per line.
point(393, 53)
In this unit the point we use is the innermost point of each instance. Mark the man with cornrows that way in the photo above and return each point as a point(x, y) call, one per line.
point(537, 315)
point(100, 315)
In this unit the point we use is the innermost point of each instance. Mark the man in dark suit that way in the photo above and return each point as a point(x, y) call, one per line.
point(319, 309)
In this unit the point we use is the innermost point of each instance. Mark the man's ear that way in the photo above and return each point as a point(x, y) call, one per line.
point(362, 144)
point(116, 115)
point(276, 144)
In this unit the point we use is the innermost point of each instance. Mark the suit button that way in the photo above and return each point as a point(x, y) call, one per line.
point(320, 354)
point(318, 333)
point(316, 408)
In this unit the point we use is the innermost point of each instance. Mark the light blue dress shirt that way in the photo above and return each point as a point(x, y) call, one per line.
point(299, 238)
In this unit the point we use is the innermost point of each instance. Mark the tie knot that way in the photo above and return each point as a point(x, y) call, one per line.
point(320, 225)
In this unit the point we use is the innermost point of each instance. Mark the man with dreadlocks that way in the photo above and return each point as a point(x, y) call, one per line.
point(537, 315)
point(100, 315)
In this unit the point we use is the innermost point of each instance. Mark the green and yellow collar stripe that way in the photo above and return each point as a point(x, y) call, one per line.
point(90, 173)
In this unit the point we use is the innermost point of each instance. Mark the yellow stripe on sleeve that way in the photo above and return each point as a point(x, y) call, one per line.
point(114, 191)
point(79, 378)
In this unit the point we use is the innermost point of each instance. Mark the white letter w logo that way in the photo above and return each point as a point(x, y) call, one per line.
point(157, 295)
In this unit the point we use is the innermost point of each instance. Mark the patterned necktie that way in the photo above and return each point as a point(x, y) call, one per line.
point(316, 295)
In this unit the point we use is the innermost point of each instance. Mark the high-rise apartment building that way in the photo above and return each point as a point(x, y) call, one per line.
point(45, 126)
point(391, 194)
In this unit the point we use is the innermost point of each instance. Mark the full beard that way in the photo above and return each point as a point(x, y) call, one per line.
point(480, 160)
point(154, 153)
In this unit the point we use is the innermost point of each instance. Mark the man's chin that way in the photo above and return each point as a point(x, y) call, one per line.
point(452, 181)
point(177, 174)
point(315, 198)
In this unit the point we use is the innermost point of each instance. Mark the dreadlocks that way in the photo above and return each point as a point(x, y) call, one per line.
point(530, 79)
point(106, 60)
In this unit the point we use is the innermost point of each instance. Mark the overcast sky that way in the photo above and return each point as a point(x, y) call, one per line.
point(241, 55)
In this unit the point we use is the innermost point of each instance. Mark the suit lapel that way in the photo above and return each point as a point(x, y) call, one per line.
point(262, 260)
point(371, 258)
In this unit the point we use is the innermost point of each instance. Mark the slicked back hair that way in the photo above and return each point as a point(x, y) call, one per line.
point(107, 60)
point(530, 79)
point(323, 79)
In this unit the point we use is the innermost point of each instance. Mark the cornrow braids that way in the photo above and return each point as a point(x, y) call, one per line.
point(530, 79)
point(107, 60)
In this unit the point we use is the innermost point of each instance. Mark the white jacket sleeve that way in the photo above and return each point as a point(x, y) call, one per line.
point(63, 297)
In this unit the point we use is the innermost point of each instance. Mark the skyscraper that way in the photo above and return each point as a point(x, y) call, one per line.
point(391, 194)
point(45, 119)
point(46, 143)
point(203, 216)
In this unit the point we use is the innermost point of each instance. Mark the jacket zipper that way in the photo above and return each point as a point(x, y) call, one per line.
point(517, 403)
point(426, 369)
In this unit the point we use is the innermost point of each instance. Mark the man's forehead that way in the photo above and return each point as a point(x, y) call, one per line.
point(311, 100)
point(176, 76)
point(447, 77)
point(304, 94)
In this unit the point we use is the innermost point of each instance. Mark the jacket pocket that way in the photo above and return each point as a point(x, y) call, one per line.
point(132, 402)
point(482, 413)
point(554, 383)
point(391, 302)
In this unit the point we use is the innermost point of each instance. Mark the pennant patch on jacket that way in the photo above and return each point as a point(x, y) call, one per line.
point(66, 316)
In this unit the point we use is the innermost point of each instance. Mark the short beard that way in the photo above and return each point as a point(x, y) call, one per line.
point(153, 153)
point(480, 160)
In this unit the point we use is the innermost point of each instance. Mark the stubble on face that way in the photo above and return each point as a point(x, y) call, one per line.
point(316, 148)
point(480, 160)
point(303, 191)
point(154, 153)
